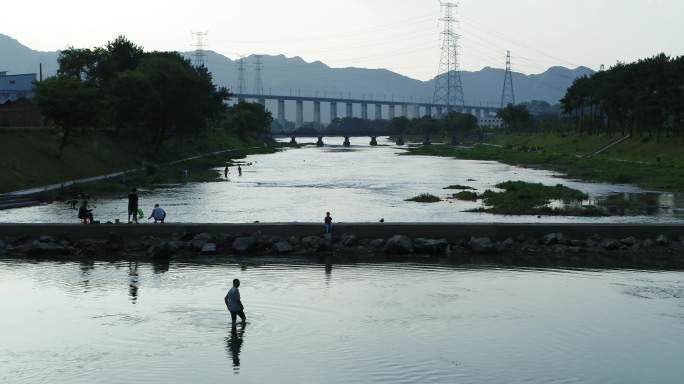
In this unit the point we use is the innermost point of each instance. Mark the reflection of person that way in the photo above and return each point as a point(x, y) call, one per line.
point(234, 343)
point(234, 303)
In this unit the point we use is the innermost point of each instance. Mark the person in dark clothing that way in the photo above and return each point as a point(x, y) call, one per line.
point(239, 170)
point(225, 172)
point(328, 223)
point(133, 206)
point(85, 214)
point(234, 303)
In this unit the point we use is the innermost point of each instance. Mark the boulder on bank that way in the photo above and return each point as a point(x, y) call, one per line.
point(377, 243)
point(629, 241)
point(115, 243)
point(208, 249)
point(399, 245)
point(282, 247)
point(244, 244)
point(430, 246)
point(313, 243)
point(662, 240)
point(481, 244)
point(555, 238)
point(611, 244)
point(349, 240)
point(199, 241)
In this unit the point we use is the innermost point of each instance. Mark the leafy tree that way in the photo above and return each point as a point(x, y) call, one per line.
point(249, 119)
point(516, 117)
point(69, 103)
point(399, 126)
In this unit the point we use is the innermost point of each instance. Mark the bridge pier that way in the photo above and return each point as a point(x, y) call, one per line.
point(320, 143)
point(293, 139)
point(374, 142)
point(281, 112)
point(347, 143)
point(317, 114)
point(350, 110)
point(333, 110)
point(378, 111)
point(416, 111)
point(404, 110)
point(262, 101)
point(392, 111)
point(300, 114)
point(364, 111)
point(428, 110)
point(439, 111)
point(400, 140)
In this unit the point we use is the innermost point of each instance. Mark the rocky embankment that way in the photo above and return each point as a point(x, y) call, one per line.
point(551, 250)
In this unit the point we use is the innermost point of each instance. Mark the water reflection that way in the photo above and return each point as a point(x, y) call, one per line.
point(234, 344)
point(85, 268)
point(161, 265)
point(133, 281)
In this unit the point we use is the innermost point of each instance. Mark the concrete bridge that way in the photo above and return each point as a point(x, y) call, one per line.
point(409, 109)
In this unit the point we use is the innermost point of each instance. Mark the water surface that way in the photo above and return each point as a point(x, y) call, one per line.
point(129, 322)
point(357, 184)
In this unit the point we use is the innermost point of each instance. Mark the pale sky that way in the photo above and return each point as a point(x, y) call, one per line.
point(401, 35)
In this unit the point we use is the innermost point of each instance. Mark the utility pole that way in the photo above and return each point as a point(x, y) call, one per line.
point(199, 57)
point(242, 87)
point(508, 94)
point(448, 85)
point(258, 83)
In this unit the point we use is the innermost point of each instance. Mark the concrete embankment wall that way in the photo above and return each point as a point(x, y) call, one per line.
point(450, 231)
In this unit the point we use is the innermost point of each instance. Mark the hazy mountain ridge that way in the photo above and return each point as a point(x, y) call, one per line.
point(283, 75)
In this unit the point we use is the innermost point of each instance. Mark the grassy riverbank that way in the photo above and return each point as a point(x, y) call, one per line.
point(639, 161)
point(31, 158)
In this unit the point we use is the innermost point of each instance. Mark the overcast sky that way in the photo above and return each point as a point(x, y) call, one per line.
point(401, 35)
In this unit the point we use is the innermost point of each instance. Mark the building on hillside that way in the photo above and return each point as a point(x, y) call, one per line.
point(15, 87)
point(489, 122)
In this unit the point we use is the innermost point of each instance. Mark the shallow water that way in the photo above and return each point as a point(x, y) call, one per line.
point(369, 323)
point(356, 184)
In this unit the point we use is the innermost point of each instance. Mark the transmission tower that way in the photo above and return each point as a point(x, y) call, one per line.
point(199, 57)
point(258, 83)
point(507, 94)
point(242, 83)
point(448, 85)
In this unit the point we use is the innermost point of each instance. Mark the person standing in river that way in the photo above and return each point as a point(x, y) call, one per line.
point(133, 206)
point(225, 172)
point(239, 170)
point(328, 223)
point(234, 304)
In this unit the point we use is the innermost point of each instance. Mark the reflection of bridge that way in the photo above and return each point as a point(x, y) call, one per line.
point(408, 109)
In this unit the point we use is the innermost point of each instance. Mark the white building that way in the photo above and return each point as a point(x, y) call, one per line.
point(489, 122)
point(13, 87)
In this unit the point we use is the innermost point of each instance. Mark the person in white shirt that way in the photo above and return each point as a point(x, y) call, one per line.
point(234, 303)
point(158, 214)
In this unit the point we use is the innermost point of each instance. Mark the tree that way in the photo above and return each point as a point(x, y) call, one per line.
point(399, 126)
point(69, 103)
point(249, 118)
point(456, 123)
point(516, 117)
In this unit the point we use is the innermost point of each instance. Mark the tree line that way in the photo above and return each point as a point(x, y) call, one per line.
point(151, 95)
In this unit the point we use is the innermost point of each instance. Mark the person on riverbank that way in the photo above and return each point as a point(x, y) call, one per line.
point(158, 214)
point(239, 170)
point(85, 214)
point(234, 304)
point(328, 223)
point(133, 206)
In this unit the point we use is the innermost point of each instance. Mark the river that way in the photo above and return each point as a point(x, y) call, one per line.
point(357, 184)
point(122, 322)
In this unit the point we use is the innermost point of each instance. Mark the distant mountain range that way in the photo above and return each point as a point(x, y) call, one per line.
point(283, 75)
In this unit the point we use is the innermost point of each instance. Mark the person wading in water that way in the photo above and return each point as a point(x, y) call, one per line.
point(133, 206)
point(234, 303)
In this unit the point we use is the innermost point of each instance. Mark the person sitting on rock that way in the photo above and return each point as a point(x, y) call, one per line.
point(158, 214)
point(85, 214)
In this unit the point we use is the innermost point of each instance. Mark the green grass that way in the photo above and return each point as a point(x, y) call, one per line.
point(31, 158)
point(466, 196)
point(425, 198)
point(637, 161)
point(460, 187)
point(521, 198)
